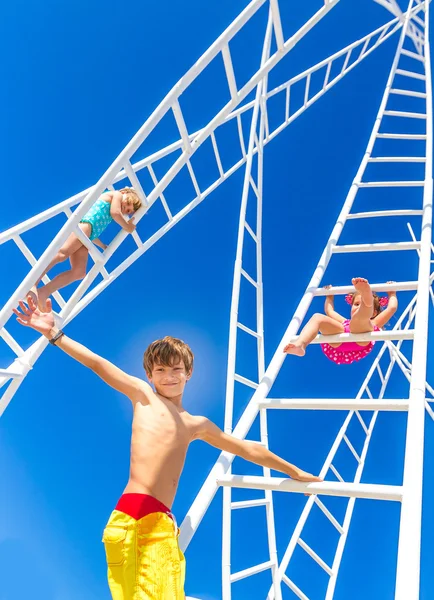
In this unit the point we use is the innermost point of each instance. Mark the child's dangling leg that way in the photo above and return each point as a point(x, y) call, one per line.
point(77, 271)
point(362, 315)
point(317, 323)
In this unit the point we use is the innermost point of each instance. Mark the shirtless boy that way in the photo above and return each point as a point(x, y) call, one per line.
point(141, 536)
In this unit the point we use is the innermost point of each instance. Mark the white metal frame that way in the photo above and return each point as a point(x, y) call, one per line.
point(413, 27)
point(122, 168)
point(408, 571)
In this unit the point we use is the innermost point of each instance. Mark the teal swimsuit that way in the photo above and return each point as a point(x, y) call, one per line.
point(98, 217)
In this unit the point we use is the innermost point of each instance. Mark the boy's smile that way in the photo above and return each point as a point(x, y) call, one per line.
point(170, 380)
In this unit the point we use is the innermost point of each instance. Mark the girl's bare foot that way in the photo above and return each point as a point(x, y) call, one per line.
point(364, 289)
point(297, 349)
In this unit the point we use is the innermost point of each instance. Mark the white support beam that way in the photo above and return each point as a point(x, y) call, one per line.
point(326, 488)
point(332, 404)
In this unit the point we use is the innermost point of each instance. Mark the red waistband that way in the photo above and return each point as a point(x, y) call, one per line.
point(138, 506)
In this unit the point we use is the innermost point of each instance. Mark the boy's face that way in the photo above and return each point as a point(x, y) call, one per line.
point(127, 206)
point(169, 381)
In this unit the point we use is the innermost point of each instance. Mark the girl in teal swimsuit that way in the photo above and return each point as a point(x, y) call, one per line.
point(111, 206)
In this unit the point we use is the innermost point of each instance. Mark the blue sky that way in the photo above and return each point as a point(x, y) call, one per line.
point(81, 78)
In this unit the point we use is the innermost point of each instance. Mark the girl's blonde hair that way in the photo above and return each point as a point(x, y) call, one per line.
point(131, 193)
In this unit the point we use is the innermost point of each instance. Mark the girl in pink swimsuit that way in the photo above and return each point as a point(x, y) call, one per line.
point(367, 314)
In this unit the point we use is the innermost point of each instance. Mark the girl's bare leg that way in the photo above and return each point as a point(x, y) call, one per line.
point(361, 320)
point(317, 323)
point(77, 271)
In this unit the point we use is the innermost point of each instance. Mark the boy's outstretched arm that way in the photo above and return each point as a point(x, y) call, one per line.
point(134, 388)
point(210, 433)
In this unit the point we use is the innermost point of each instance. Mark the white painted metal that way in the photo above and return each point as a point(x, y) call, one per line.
point(408, 570)
point(122, 167)
point(260, 134)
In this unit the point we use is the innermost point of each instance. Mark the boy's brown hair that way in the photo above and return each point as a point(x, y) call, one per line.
point(167, 352)
point(131, 193)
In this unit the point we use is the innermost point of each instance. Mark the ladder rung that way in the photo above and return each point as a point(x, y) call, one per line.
point(376, 247)
point(245, 381)
point(336, 472)
point(402, 136)
point(410, 74)
point(418, 20)
point(252, 571)
point(250, 230)
point(402, 286)
point(351, 447)
point(332, 404)
point(315, 556)
point(400, 159)
point(249, 503)
point(11, 342)
point(377, 184)
point(412, 55)
point(247, 276)
point(248, 330)
point(297, 591)
point(326, 488)
point(374, 336)
point(362, 422)
point(95, 254)
point(386, 213)
point(328, 514)
point(407, 93)
point(407, 115)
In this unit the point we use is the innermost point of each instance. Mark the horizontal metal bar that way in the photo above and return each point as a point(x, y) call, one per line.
point(410, 74)
point(400, 286)
point(402, 136)
point(385, 213)
point(252, 571)
point(383, 247)
point(249, 503)
point(374, 336)
point(297, 591)
point(245, 381)
point(375, 184)
point(315, 556)
point(327, 488)
point(403, 114)
point(332, 404)
point(412, 55)
point(398, 159)
point(328, 514)
point(400, 92)
point(248, 330)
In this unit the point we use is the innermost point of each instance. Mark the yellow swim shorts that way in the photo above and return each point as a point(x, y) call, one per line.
point(143, 557)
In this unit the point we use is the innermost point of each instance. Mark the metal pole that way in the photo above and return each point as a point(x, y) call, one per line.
point(408, 568)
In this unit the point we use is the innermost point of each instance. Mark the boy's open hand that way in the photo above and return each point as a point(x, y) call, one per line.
point(31, 316)
point(300, 475)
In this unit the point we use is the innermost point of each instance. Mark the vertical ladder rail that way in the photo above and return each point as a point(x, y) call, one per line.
point(408, 567)
point(258, 116)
